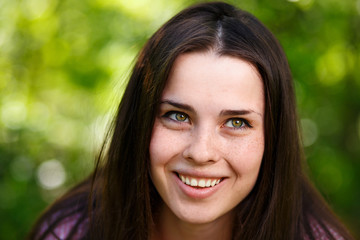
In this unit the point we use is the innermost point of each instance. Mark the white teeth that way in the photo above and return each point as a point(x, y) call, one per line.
point(199, 182)
point(182, 178)
point(193, 182)
point(208, 183)
point(213, 183)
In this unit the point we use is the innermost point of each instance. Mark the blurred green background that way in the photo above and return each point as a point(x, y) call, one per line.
point(63, 65)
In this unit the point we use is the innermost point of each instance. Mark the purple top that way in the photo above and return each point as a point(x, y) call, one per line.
point(64, 227)
point(319, 232)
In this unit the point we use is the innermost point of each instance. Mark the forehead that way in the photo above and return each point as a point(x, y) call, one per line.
point(206, 77)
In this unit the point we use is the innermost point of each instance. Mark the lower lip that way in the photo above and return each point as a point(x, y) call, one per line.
point(197, 193)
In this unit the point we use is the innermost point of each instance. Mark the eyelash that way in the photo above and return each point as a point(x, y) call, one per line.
point(244, 123)
point(168, 115)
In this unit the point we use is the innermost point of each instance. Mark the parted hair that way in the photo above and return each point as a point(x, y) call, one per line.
point(119, 201)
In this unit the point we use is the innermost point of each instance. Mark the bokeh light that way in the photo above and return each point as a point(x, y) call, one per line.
point(309, 132)
point(51, 174)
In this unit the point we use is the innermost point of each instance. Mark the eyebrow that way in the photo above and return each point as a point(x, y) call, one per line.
point(238, 112)
point(222, 113)
point(178, 105)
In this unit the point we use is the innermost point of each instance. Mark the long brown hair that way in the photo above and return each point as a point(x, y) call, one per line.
point(282, 205)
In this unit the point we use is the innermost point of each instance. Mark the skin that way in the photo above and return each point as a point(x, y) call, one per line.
point(210, 125)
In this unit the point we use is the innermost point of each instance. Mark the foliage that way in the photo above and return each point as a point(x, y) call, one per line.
point(63, 66)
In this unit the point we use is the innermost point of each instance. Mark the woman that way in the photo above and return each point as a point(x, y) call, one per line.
point(205, 144)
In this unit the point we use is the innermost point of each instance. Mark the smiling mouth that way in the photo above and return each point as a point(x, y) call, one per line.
point(199, 182)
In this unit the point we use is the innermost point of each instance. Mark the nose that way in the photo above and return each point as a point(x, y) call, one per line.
point(203, 147)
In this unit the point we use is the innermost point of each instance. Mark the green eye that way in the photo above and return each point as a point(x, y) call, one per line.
point(178, 116)
point(235, 123)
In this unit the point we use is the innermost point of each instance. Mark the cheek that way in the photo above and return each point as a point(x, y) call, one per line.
point(163, 145)
point(157, 149)
point(248, 154)
point(157, 146)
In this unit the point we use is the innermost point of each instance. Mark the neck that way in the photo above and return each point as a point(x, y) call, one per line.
point(170, 227)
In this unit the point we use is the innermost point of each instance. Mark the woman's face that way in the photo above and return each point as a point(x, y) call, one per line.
point(208, 138)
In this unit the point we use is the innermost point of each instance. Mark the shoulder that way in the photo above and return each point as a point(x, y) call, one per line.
point(66, 218)
point(318, 220)
point(322, 231)
point(58, 226)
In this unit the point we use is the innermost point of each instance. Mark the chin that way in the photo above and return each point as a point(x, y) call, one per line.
point(197, 220)
point(199, 216)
